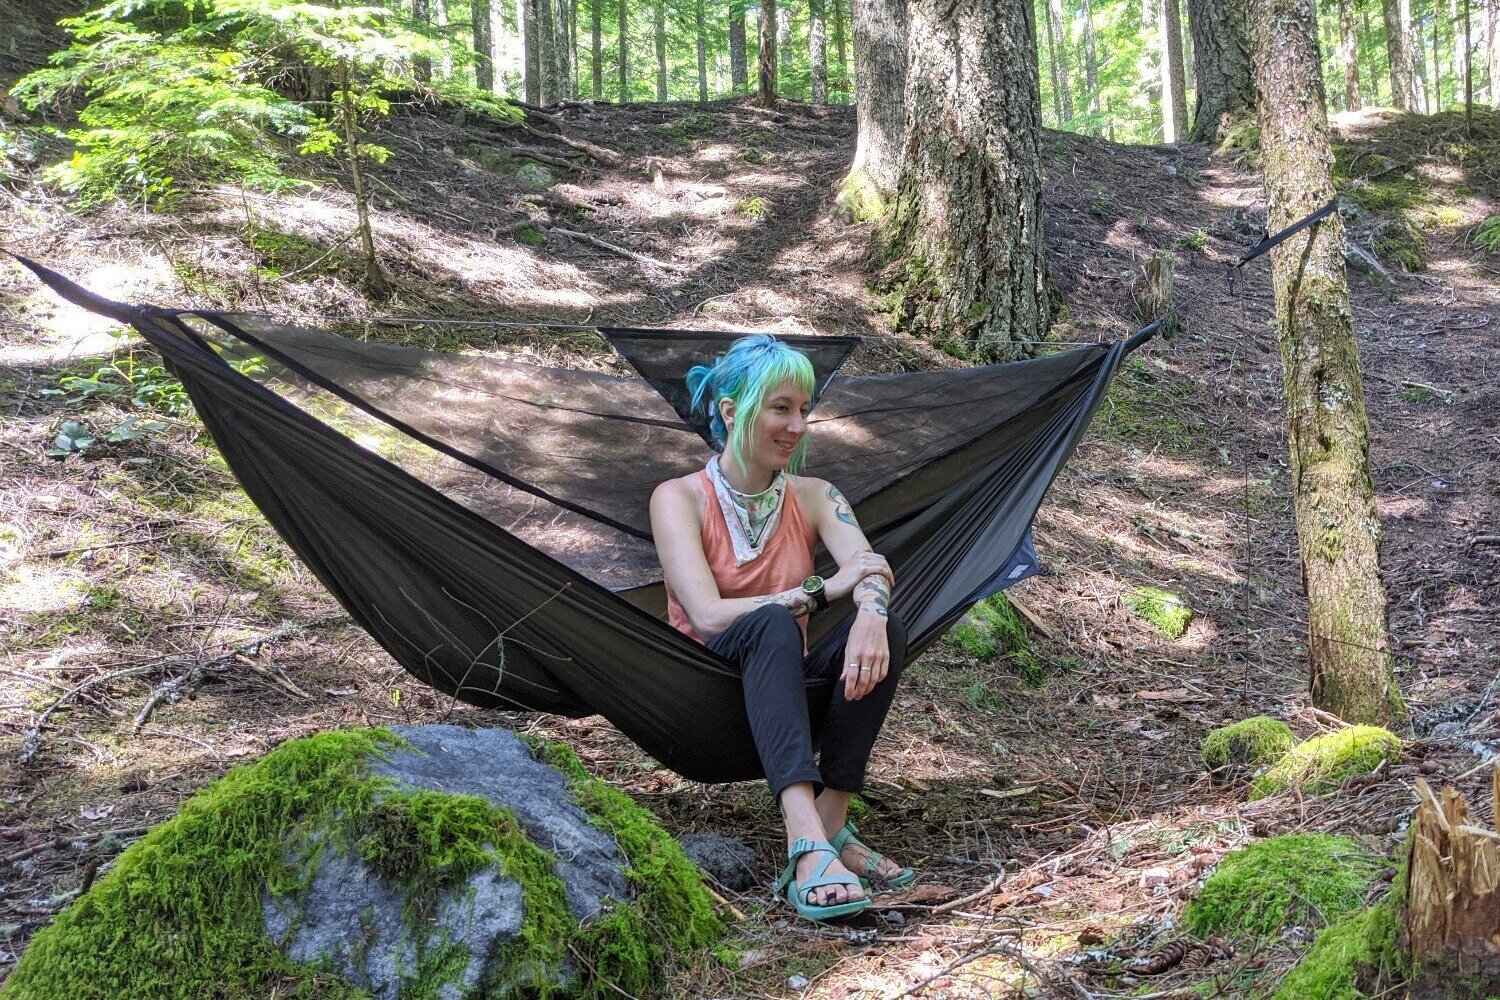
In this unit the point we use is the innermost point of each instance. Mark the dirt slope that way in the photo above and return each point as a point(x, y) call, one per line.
point(129, 565)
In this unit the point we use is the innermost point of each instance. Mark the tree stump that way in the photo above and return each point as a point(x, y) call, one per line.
point(1152, 294)
point(1452, 918)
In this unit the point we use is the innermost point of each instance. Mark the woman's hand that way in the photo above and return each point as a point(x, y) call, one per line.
point(865, 563)
point(867, 655)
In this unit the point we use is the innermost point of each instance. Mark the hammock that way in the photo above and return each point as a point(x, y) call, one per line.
point(486, 520)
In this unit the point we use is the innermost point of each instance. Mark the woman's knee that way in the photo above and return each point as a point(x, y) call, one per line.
point(774, 625)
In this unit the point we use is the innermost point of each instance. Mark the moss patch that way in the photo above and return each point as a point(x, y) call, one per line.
point(530, 237)
point(1362, 947)
point(1319, 764)
point(1162, 608)
point(206, 869)
point(992, 630)
point(859, 200)
point(693, 125)
point(1257, 741)
point(1308, 879)
point(672, 911)
point(751, 208)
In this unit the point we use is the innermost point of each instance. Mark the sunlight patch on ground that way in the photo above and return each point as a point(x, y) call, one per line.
point(38, 589)
point(66, 331)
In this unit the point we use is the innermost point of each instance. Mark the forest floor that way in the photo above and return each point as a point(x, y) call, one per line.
point(127, 564)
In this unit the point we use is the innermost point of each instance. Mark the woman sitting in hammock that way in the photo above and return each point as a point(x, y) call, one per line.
point(736, 544)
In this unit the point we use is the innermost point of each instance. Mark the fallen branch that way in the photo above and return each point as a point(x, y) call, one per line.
point(543, 157)
point(61, 843)
point(599, 153)
point(639, 258)
point(1011, 952)
point(972, 897)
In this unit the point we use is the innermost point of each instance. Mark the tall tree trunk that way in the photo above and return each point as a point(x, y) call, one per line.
point(549, 58)
point(783, 36)
point(1090, 66)
point(880, 102)
point(484, 44)
point(841, 48)
point(766, 66)
point(1492, 37)
point(1398, 52)
point(739, 74)
point(498, 43)
point(624, 39)
point(1057, 56)
point(566, 43)
point(964, 240)
point(1223, 42)
point(596, 32)
point(702, 55)
point(441, 11)
point(1338, 528)
point(1349, 56)
point(817, 51)
point(1437, 56)
point(531, 49)
point(1174, 84)
point(660, 12)
point(421, 12)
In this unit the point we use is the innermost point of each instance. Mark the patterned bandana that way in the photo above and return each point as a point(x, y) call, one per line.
point(750, 517)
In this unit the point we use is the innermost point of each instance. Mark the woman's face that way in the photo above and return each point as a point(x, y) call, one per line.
point(779, 427)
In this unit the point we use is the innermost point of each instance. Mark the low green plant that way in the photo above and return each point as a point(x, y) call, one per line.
point(1169, 613)
point(751, 208)
point(1195, 241)
point(1309, 879)
point(993, 630)
point(1318, 765)
point(1487, 235)
point(530, 237)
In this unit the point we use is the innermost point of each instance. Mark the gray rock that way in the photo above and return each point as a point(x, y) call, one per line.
point(1360, 259)
point(352, 923)
point(534, 176)
point(724, 859)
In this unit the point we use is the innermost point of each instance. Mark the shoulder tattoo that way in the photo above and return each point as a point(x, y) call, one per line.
point(841, 508)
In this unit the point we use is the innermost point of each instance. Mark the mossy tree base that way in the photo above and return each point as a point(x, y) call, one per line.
point(1254, 742)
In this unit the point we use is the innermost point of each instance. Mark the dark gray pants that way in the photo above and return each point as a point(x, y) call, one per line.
point(786, 716)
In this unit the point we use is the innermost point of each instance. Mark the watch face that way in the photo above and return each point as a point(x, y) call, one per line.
point(812, 584)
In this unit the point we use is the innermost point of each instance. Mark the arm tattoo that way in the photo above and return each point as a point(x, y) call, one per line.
point(873, 594)
point(841, 508)
point(794, 600)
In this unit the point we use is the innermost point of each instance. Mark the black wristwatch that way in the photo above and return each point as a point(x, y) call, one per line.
point(813, 587)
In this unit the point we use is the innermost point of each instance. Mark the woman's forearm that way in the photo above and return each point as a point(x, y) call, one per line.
point(873, 595)
point(727, 610)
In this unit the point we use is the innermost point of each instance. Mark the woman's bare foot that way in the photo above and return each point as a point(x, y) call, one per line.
point(828, 895)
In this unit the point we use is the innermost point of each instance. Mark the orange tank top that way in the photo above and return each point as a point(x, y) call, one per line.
point(784, 562)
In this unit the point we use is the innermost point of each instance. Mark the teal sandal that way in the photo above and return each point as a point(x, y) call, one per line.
point(847, 836)
point(796, 893)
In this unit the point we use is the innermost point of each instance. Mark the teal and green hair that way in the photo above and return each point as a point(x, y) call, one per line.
point(752, 367)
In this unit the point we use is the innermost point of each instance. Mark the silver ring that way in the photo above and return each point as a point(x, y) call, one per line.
point(863, 666)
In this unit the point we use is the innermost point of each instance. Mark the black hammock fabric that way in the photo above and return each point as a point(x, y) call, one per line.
point(486, 520)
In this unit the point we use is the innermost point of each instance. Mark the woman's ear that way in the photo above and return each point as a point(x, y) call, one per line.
point(726, 411)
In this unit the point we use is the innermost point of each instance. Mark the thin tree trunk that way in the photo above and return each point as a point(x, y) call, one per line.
point(1223, 67)
point(1057, 56)
point(567, 43)
point(1437, 57)
point(1398, 53)
point(783, 36)
point(1349, 56)
point(548, 58)
point(484, 44)
point(738, 67)
point(817, 51)
point(375, 282)
point(1338, 528)
point(880, 101)
point(596, 29)
point(659, 11)
point(1090, 67)
point(531, 75)
point(841, 48)
point(498, 42)
point(1174, 83)
point(1492, 36)
point(624, 40)
point(766, 65)
point(702, 55)
point(421, 12)
point(964, 241)
point(442, 23)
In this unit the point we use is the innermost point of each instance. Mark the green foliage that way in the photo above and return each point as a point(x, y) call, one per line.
point(1319, 764)
point(751, 208)
point(1307, 879)
point(1195, 241)
point(183, 92)
point(981, 697)
point(1487, 236)
point(1162, 608)
point(1343, 955)
point(1257, 741)
point(530, 237)
point(991, 630)
point(122, 381)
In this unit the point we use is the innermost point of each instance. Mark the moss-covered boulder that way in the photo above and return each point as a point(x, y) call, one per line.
point(1167, 612)
point(415, 864)
point(1318, 765)
point(992, 630)
point(1349, 960)
point(1306, 879)
point(1254, 742)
